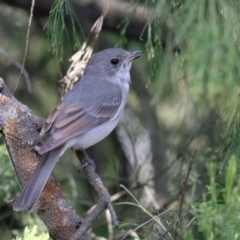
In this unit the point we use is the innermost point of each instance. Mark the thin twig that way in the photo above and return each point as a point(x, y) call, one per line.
point(188, 225)
point(145, 223)
point(113, 214)
point(184, 187)
point(103, 202)
point(147, 24)
point(139, 205)
point(109, 224)
point(172, 227)
point(27, 42)
point(20, 67)
point(113, 198)
point(185, 183)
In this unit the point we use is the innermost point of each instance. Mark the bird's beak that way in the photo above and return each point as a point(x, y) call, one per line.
point(133, 55)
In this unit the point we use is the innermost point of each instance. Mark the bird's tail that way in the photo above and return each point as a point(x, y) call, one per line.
point(32, 191)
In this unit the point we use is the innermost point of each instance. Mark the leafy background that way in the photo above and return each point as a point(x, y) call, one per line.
point(184, 96)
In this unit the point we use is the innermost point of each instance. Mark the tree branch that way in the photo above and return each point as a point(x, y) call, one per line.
point(103, 202)
point(19, 128)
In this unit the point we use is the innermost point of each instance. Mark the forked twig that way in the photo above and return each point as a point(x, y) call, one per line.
point(103, 202)
point(144, 223)
point(172, 227)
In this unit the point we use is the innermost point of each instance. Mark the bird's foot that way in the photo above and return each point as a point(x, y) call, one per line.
point(86, 162)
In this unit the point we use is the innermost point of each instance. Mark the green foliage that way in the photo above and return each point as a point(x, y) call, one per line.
point(7, 177)
point(231, 142)
point(10, 188)
point(124, 25)
point(33, 234)
point(154, 51)
point(56, 28)
point(218, 216)
point(215, 217)
point(207, 33)
point(148, 231)
point(192, 77)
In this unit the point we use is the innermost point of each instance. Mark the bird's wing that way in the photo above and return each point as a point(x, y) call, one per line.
point(87, 111)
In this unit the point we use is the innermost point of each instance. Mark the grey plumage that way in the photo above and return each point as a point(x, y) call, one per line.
point(89, 109)
point(86, 115)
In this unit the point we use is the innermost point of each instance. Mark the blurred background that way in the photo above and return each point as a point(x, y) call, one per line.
point(184, 96)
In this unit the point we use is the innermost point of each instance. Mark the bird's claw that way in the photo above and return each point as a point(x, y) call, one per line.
point(86, 162)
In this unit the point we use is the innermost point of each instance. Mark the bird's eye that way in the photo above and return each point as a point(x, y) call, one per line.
point(114, 61)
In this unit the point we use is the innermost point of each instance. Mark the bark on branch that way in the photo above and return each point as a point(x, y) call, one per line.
point(19, 128)
point(103, 203)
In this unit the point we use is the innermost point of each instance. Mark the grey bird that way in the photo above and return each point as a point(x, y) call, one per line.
point(85, 116)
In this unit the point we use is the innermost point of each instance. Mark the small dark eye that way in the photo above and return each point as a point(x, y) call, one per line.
point(114, 61)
